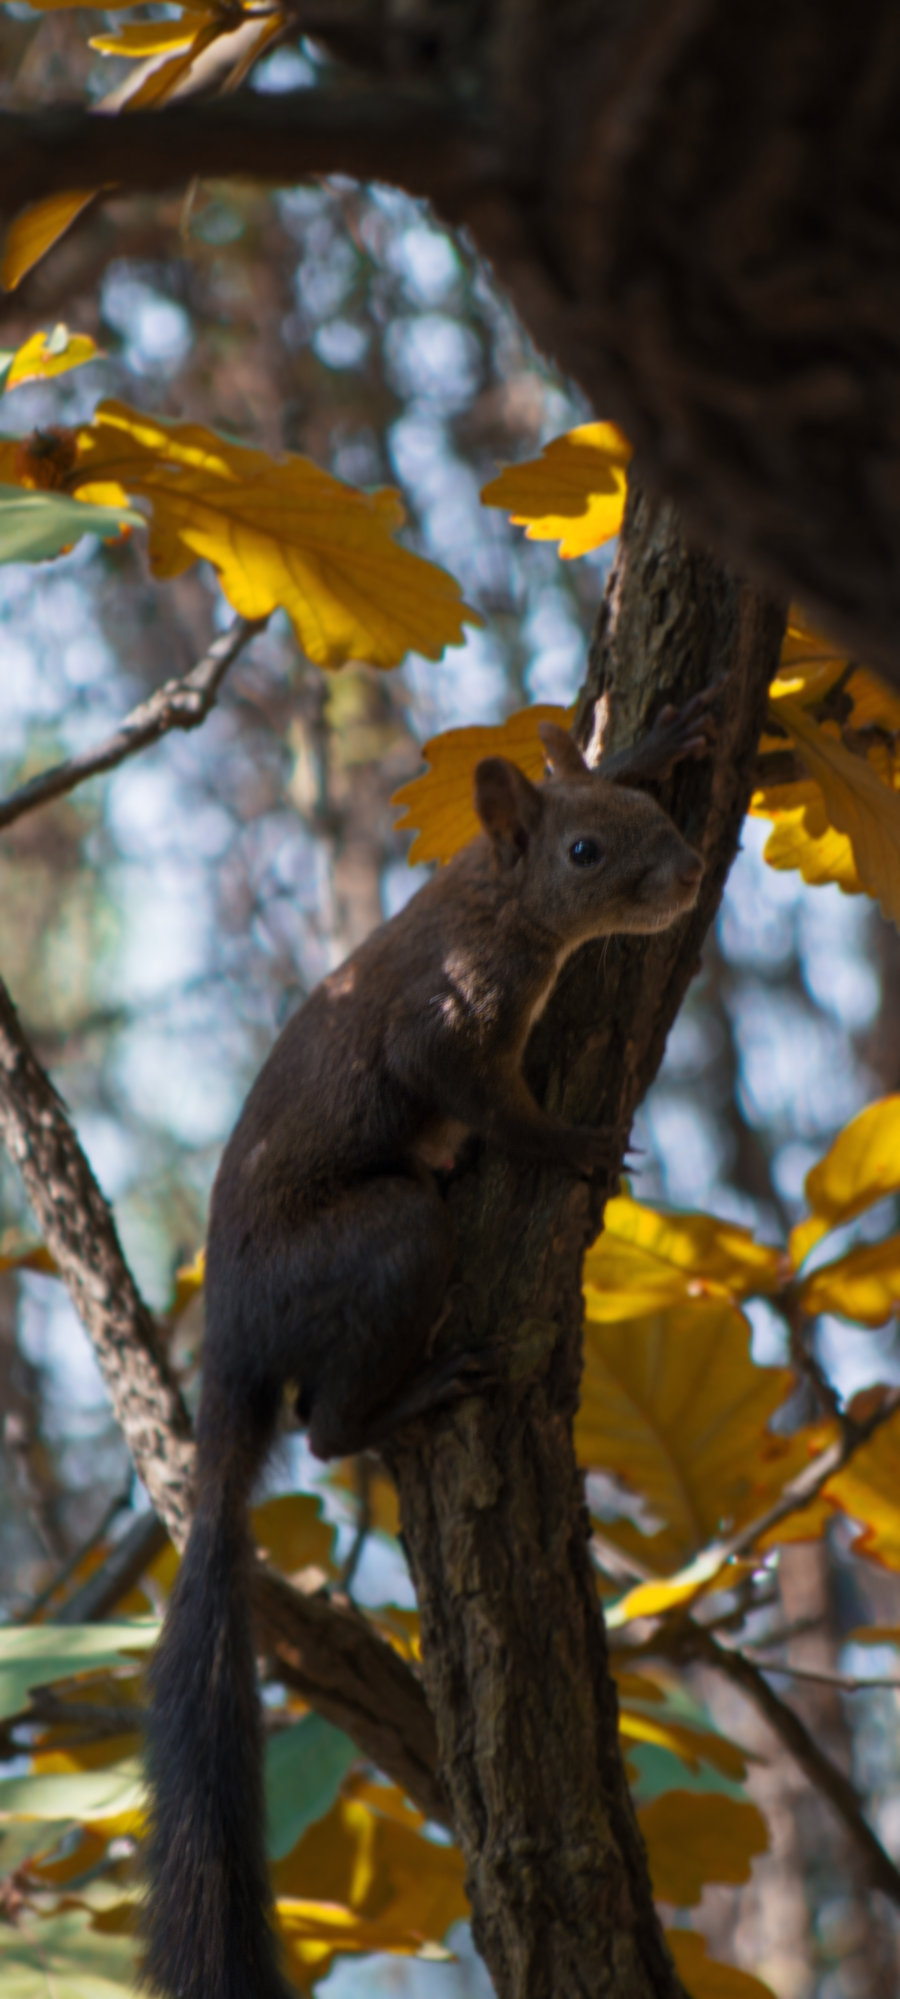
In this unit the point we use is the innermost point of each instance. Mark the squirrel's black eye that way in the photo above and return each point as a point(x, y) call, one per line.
point(585, 853)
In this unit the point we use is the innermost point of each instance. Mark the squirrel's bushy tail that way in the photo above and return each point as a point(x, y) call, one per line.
point(207, 1929)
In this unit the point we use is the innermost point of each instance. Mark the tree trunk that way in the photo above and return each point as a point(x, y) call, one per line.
point(492, 1501)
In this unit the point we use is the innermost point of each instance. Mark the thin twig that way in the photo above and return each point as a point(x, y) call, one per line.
point(363, 1481)
point(58, 1581)
point(692, 1642)
point(179, 704)
point(848, 1683)
point(121, 1571)
point(801, 1331)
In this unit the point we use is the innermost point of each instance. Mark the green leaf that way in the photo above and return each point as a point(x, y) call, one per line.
point(37, 525)
point(33, 1654)
point(63, 1957)
point(305, 1767)
point(112, 1793)
point(655, 1770)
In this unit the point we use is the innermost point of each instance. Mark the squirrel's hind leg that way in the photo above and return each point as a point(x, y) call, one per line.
point(366, 1348)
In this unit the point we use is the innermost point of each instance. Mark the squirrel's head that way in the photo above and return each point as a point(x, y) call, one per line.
point(585, 856)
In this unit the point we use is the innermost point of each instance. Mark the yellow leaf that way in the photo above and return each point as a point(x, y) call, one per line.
point(868, 1489)
point(189, 1281)
point(653, 1599)
point(292, 1533)
point(860, 1167)
point(574, 493)
point(858, 802)
point(810, 662)
point(440, 803)
point(695, 1746)
point(803, 836)
point(145, 38)
point(360, 1879)
point(705, 1979)
point(673, 1405)
point(279, 531)
point(35, 1256)
point(49, 354)
point(864, 1285)
point(646, 1259)
point(382, 1493)
point(634, 1685)
point(153, 84)
point(693, 1837)
point(36, 229)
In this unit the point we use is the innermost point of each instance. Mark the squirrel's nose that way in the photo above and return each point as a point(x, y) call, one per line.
point(690, 870)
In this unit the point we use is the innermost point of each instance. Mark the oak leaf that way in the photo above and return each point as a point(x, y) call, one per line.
point(692, 1744)
point(440, 803)
point(673, 1406)
point(648, 1258)
point(36, 229)
point(803, 836)
point(858, 801)
point(362, 1880)
point(703, 1978)
point(292, 1533)
point(696, 1837)
point(861, 1166)
point(868, 1490)
point(863, 1286)
point(574, 493)
point(46, 354)
point(279, 531)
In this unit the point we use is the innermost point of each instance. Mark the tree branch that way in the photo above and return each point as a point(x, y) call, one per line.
point(328, 1652)
point(692, 1642)
point(179, 704)
point(413, 138)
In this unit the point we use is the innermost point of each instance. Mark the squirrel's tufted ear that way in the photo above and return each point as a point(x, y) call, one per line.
point(508, 805)
point(563, 756)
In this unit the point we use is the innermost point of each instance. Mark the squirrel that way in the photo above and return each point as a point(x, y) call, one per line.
point(330, 1254)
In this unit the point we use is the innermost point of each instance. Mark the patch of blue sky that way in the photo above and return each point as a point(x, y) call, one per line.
point(156, 332)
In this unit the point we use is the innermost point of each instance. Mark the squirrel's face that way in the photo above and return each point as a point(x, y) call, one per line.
point(586, 857)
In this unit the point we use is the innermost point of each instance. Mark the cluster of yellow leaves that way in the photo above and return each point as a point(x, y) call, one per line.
point(214, 44)
point(278, 531)
point(673, 1405)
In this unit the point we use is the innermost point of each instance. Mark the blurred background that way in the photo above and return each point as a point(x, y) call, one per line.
point(157, 927)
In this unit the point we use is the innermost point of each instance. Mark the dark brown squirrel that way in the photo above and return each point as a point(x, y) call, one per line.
point(331, 1251)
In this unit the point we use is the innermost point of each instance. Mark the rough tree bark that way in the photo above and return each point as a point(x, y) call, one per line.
point(695, 204)
point(492, 1503)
